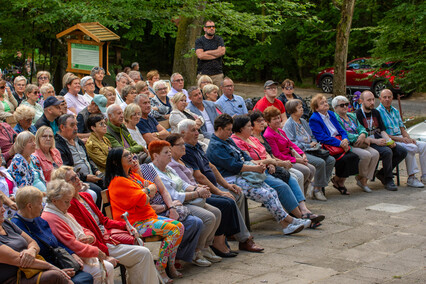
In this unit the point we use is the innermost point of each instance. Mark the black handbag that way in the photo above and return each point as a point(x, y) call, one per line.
point(60, 257)
point(320, 153)
point(282, 174)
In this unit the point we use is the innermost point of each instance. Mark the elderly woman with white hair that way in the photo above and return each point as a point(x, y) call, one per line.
point(46, 90)
point(180, 112)
point(128, 94)
point(19, 88)
point(122, 80)
point(24, 116)
point(358, 139)
point(203, 81)
point(132, 115)
point(88, 85)
point(69, 232)
point(31, 92)
point(25, 167)
point(160, 103)
point(98, 74)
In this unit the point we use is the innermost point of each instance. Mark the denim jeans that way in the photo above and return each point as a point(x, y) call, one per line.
point(290, 195)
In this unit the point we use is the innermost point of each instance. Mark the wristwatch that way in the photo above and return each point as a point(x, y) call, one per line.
point(157, 134)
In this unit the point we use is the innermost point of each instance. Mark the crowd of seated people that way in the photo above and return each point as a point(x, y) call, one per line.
point(187, 184)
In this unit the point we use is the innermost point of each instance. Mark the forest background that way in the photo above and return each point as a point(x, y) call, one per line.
point(264, 39)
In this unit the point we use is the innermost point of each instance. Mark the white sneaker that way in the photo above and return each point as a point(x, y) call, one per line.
point(414, 182)
point(199, 260)
point(210, 255)
point(305, 222)
point(292, 229)
point(319, 195)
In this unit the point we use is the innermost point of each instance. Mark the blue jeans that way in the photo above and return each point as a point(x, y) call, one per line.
point(82, 277)
point(189, 242)
point(290, 195)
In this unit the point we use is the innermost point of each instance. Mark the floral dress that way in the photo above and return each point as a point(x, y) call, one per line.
point(25, 173)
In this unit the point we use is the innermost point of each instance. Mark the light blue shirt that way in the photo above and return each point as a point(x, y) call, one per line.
point(391, 119)
point(234, 106)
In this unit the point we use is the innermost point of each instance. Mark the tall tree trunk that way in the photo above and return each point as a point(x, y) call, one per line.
point(185, 60)
point(342, 42)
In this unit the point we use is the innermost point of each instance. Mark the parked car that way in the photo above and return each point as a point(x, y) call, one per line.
point(418, 131)
point(361, 75)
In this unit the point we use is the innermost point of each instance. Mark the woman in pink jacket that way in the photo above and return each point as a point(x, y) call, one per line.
point(68, 231)
point(283, 148)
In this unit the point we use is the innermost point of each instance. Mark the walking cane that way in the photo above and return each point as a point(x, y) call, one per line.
point(124, 216)
point(140, 241)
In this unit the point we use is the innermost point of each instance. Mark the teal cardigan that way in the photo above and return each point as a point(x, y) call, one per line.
point(360, 129)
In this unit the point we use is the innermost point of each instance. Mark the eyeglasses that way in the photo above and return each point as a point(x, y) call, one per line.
point(88, 84)
point(97, 68)
point(162, 89)
point(210, 27)
point(43, 78)
point(178, 80)
point(288, 88)
point(344, 105)
point(47, 136)
point(102, 124)
point(271, 88)
point(126, 154)
point(20, 85)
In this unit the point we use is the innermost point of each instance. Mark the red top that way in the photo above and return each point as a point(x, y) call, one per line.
point(256, 151)
point(46, 165)
point(85, 219)
point(127, 195)
point(263, 103)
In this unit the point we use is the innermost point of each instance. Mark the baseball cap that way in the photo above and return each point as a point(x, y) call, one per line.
point(101, 102)
point(51, 101)
point(270, 83)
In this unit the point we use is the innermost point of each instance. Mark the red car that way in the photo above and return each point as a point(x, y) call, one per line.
point(360, 75)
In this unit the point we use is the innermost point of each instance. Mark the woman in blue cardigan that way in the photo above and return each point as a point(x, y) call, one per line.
point(328, 131)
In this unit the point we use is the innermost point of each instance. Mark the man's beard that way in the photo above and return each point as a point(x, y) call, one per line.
point(210, 33)
point(369, 108)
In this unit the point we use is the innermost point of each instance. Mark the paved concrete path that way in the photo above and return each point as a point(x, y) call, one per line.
point(366, 238)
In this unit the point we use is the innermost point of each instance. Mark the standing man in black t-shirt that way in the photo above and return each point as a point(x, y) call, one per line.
point(391, 154)
point(210, 49)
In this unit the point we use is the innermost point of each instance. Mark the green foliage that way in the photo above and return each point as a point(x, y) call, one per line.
point(402, 37)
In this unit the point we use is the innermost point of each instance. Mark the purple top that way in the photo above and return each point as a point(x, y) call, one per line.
point(78, 102)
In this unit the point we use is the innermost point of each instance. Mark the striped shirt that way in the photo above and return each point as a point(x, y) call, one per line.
point(391, 119)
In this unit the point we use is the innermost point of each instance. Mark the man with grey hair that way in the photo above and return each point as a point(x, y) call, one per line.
point(74, 154)
point(122, 80)
point(117, 132)
point(148, 126)
point(135, 76)
point(206, 109)
point(207, 174)
point(395, 128)
point(229, 102)
point(177, 85)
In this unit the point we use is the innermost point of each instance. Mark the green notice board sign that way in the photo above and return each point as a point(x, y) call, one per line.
point(84, 56)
